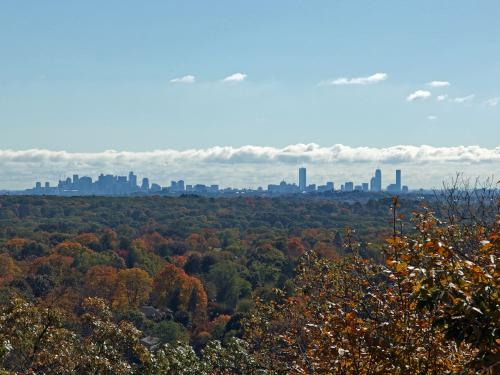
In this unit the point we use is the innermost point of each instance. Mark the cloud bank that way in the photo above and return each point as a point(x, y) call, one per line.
point(375, 78)
point(250, 165)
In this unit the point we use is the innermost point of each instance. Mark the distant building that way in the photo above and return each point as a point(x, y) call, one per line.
point(284, 188)
point(302, 179)
point(365, 187)
point(376, 181)
point(150, 342)
point(398, 179)
point(132, 180)
point(155, 188)
point(326, 188)
point(396, 188)
point(85, 184)
point(177, 186)
point(145, 184)
point(153, 313)
point(392, 188)
point(47, 185)
point(349, 186)
point(311, 188)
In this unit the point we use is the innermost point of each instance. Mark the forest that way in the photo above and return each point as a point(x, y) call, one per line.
point(285, 285)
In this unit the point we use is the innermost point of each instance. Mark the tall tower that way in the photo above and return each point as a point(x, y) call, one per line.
point(132, 180)
point(302, 179)
point(378, 180)
point(398, 179)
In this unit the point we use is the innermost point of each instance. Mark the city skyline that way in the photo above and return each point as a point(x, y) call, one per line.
point(108, 184)
point(249, 166)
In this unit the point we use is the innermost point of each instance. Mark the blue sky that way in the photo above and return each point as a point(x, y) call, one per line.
point(89, 76)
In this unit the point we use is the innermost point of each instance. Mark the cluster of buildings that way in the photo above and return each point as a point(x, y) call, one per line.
point(375, 185)
point(129, 185)
point(116, 185)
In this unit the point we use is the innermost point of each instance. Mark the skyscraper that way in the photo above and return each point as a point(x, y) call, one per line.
point(398, 179)
point(145, 184)
point(378, 180)
point(302, 179)
point(132, 180)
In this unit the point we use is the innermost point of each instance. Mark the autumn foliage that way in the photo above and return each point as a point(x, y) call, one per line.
point(202, 286)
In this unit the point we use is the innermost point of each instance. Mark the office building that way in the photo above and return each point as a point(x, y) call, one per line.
point(145, 184)
point(302, 179)
point(378, 179)
point(155, 188)
point(132, 179)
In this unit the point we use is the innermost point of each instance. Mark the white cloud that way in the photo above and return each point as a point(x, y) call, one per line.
point(439, 84)
point(184, 79)
point(493, 102)
point(441, 98)
point(431, 118)
point(375, 78)
point(464, 99)
point(251, 165)
point(419, 94)
point(236, 77)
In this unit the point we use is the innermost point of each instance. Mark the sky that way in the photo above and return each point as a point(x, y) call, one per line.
point(83, 78)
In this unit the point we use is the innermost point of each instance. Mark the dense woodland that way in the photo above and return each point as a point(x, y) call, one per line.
point(290, 285)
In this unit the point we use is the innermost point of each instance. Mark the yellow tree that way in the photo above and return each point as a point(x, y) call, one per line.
point(134, 288)
point(9, 269)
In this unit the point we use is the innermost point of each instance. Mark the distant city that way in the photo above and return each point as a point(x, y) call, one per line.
point(129, 185)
